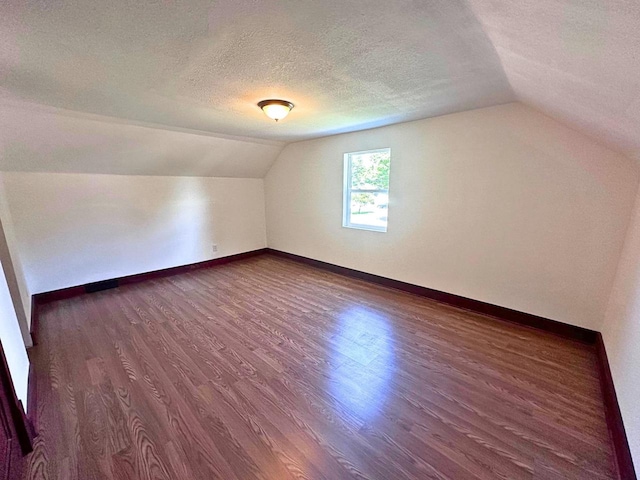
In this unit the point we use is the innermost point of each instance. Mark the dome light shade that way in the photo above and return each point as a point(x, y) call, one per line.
point(276, 109)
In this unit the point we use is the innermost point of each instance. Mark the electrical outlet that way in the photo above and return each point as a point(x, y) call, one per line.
point(214, 247)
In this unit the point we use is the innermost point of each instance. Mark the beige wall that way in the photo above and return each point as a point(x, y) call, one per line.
point(621, 334)
point(502, 205)
point(78, 228)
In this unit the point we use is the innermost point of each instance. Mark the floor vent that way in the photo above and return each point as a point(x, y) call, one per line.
point(98, 286)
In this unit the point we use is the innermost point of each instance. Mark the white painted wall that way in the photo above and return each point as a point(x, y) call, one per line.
point(621, 334)
point(78, 228)
point(502, 205)
point(12, 343)
point(12, 245)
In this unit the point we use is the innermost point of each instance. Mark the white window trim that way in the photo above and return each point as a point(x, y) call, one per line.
point(347, 191)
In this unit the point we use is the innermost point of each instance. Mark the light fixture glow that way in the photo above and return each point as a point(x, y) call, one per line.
point(276, 109)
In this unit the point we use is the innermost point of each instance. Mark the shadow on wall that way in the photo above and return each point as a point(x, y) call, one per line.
point(78, 228)
point(191, 213)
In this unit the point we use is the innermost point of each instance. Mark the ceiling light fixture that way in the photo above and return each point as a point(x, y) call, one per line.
point(276, 109)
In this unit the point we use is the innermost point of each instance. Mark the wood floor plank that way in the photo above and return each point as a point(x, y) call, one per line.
point(265, 369)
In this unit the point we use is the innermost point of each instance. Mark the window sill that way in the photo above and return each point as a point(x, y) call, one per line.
point(366, 227)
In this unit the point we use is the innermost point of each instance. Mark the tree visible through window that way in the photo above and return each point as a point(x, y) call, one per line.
point(366, 189)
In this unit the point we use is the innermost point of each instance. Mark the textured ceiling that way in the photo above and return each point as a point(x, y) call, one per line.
point(576, 60)
point(205, 64)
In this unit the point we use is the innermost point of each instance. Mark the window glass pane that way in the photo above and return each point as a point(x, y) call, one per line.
point(369, 209)
point(370, 170)
point(366, 189)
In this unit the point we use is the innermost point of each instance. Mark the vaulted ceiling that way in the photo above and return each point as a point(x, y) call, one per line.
point(203, 65)
point(576, 60)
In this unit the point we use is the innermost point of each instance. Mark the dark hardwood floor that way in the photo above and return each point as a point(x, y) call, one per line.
point(268, 369)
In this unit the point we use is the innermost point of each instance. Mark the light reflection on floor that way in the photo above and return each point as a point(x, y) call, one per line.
point(362, 381)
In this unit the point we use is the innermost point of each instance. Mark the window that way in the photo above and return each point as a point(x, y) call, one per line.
point(366, 189)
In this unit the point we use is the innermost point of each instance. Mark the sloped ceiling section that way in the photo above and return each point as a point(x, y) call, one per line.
point(576, 60)
point(45, 139)
point(205, 64)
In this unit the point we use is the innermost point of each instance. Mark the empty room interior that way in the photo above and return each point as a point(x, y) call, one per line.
point(285, 239)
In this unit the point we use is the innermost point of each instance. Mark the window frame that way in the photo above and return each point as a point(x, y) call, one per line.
point(347, 191)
